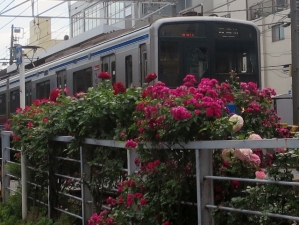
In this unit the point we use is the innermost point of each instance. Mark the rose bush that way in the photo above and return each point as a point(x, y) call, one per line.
point(164, 189)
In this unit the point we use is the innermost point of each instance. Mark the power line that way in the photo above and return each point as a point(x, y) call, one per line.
point(7, 6)
point(14, 18)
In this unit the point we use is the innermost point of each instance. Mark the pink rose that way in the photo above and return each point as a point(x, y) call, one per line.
point(280, 150)
point(237, 122)
point(254, 160)
point(243, 154)
point(227, 154)
point(254, 137)
point(260, 175)
point(130, 144)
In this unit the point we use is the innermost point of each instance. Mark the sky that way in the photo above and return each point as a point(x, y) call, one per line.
point(60, 27)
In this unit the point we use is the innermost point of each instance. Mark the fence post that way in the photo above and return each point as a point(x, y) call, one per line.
point(24, 183)
point(131, 155)
point(5, 136)
point(205, 193)
point(87, 200)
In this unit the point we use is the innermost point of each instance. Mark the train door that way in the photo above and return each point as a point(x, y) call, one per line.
point(61, 78)
point(143, 63)
point(108, 65)
point(28, 93)
point(195, 60)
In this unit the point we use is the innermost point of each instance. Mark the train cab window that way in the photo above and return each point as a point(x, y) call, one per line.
point(169, 63)
point(14, 100)
point(82, 80)
point(238, 59)
point(143, 63)
point(129, 71)
point(2, 104)
point(236, 48)
point(43, 89)
point(28, 94)
point(61, 79)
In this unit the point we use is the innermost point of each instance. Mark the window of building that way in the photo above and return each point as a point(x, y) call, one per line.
point(128, 9)
point(92, 15)
point(78, 24)
point(149, 7)
point(281, 5)
point(267, 7)
point(277, 33)
point(115, 12)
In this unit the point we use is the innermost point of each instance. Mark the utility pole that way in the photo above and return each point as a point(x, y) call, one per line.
point(295, 57)
point(20, 63)
point(11, 46)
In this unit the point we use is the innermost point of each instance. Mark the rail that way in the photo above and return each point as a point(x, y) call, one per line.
point(204, 172)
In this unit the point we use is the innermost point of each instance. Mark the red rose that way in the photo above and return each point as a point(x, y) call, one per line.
point(150, 77)
point(119, 88)
point(7, 126)
point(45, 120)
point(235, 184)
point(104, 75)
point(54, 94)
point(226, 164)
point(142, 201)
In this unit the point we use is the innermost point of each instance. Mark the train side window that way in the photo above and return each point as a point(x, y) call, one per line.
point(113, 71)
point(14, 100)
point(28, 94)
point(143, 63)
point(129, 71)
point(61, 79)
point(43, 90)
point(82, 80)
point(2, 104)
point(105, 67)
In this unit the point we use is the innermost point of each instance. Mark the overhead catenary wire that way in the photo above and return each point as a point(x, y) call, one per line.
point(7, 6)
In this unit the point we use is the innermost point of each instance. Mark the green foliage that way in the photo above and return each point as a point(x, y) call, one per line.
point(10, 211)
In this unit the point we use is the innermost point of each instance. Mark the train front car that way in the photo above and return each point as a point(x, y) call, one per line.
point(207, 47)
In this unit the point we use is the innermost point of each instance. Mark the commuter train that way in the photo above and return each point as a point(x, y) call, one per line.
point(171, 47)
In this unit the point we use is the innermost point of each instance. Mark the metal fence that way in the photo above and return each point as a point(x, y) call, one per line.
point(204, 172)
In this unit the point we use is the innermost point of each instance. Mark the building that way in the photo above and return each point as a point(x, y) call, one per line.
point(40, 35)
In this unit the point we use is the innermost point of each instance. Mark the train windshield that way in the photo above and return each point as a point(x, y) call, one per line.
point(207, 49)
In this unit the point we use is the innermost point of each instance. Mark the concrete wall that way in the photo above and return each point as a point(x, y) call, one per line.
point(275, 54)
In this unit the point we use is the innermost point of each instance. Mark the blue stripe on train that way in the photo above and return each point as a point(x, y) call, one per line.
point(106, 50)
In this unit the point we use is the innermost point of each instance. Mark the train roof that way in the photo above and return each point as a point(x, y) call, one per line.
point(203, 18)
